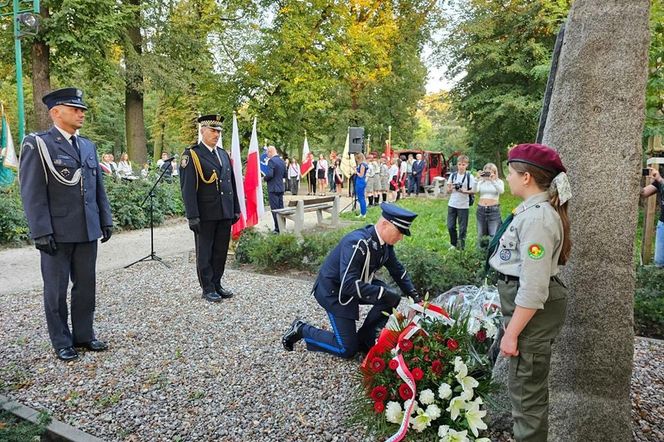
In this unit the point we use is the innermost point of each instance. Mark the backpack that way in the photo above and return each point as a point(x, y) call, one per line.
point(471, 196)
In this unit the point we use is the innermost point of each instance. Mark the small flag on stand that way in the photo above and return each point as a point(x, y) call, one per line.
point(236, 161)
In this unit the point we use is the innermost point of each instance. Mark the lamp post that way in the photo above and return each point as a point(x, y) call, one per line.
point(25, 23)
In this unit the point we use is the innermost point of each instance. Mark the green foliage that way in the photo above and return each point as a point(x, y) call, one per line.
point(14, 429)
point(654, 123)
point(126, 198)
point(13, 225)
point(649, 302)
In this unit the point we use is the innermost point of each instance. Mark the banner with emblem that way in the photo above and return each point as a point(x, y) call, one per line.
point(8, 158)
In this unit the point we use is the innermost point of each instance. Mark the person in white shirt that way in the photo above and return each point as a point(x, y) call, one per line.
point(460, 187)
point(321, 174)
point(294, 176)
point(489, 188)
point(124, 166)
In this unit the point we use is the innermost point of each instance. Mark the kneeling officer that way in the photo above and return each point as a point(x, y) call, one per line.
point(346, 280)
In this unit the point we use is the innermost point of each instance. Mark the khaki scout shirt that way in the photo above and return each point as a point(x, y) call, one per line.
point(529, 249)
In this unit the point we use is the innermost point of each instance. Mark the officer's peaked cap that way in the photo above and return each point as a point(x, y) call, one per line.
point(211, 121)
point(69, 96)
point(400, 217)
point(537, 155)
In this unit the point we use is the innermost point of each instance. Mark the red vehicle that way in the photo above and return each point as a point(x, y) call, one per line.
point(436, 163)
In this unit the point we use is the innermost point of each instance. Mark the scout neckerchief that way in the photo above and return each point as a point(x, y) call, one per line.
point(493, 245)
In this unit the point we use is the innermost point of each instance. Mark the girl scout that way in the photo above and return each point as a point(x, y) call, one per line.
point(527, 252)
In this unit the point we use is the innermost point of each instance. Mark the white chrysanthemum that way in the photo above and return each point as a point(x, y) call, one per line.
point(406, 405)
point(491, 329)
point(474, 418)
point(393, 412)
point(427, 397)
point(444, 391)
point(456, 405)
point(442, 430)
point(433, 411)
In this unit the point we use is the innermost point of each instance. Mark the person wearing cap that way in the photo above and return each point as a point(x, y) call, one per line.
point(346, 280)
point(211, 205)
point(527, 252)
point(65, 203)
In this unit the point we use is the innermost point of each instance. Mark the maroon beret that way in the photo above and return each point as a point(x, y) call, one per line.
point(537, 155)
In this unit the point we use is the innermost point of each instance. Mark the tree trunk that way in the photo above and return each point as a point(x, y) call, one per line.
point(41, 77)
point(596, 121)
point(134, 120)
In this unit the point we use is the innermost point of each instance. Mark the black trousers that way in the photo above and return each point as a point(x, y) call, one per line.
point(211, 251)
point(75, 261)
point(276, 202)
point(462, 215)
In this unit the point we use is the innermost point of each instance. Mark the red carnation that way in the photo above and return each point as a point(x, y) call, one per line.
point(379, 393)
point(405, 392)
point(406, 345)
point(426, 349)
point(393, 364)
point(377, 365)
point(481, 335)
point(437, 366)
point(417, 373)
point(379, 407)
point(452, 344)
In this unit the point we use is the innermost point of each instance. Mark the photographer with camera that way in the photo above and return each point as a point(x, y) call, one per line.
point(657, 186)
point(460, 187)
point(489, 187)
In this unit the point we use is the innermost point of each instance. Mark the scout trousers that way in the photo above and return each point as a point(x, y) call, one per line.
point(529, 371)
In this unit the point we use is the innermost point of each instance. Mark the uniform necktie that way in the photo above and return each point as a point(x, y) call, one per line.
point(493, 245)
point(73, 142)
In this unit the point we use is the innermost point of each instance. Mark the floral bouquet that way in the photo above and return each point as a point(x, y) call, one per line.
point(428, 375)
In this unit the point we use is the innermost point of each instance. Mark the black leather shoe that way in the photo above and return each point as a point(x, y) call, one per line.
point(212, 297)
point(225, 294)
point(66, 354)
point(293, 334)
point(94, 345)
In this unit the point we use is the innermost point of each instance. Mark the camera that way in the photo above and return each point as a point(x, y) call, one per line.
point(645, 171)
point(485, 174)
point(457, 186)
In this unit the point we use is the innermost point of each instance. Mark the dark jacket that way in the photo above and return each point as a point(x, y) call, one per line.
point(70, 213)
point(276, 172)
point(216, 200)
point(418, 167)
point(346, 262)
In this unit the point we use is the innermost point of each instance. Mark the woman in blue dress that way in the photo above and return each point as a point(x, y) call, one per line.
point(361, 183)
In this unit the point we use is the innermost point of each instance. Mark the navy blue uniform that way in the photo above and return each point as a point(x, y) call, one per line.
point(418, 170)
point(215, 203)
point(346, 280)
point(74, 215)
point(276, 172)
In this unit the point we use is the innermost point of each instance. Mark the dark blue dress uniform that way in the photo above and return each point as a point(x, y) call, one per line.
point(63, 196)
point(209, 193)
point(274, 177)
point(346, 280)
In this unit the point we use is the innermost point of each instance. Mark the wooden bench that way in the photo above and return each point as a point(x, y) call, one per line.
point(296, 209)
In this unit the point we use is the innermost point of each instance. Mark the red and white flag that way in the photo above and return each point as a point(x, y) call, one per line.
point(236, 161)
point(307, 159)
point(253, 187)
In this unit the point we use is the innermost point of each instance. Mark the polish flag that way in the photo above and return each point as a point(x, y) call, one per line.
point(236, 161)
point(307, 160)
point(253, 187)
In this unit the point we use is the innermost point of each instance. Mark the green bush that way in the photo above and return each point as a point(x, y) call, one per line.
point(649, 302)
point(13, 225)
point(126, 197)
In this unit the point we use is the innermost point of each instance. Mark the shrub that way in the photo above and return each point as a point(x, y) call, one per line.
point(275, 252)
point(316, 246)
point(649, 302)
point(13, 225)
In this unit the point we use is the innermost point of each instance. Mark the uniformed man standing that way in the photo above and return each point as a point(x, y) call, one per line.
point(211, 205)
point(67, 211)
point(346, 280)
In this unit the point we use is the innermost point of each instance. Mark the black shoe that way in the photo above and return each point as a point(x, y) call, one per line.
point(212, 297)
point(225, 294)
point(293, 334)
point(66, 354)
point(94, 345)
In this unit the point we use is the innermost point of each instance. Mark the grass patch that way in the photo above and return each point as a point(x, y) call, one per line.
point(13, 429)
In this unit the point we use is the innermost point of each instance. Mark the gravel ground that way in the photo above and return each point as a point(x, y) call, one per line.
point(180, 368)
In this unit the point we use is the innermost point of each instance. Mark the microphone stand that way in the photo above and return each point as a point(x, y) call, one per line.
point(152, 256)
